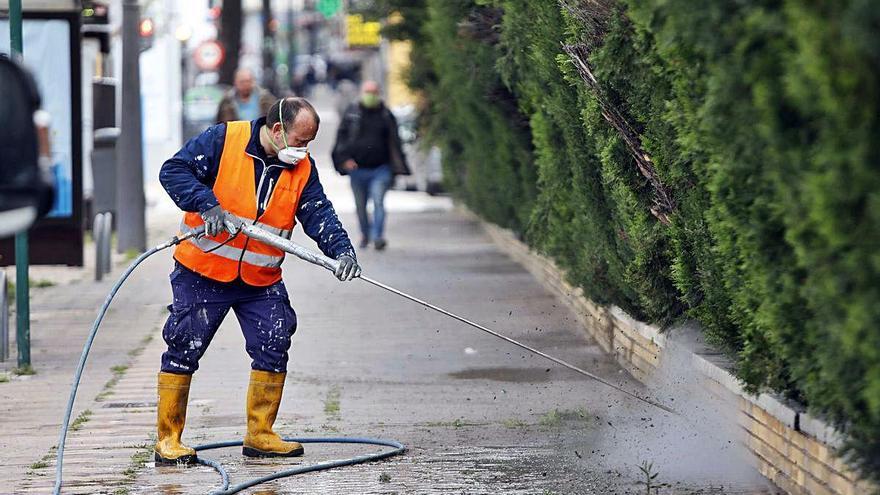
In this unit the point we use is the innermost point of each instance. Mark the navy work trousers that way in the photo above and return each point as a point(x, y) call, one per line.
point(200, 304)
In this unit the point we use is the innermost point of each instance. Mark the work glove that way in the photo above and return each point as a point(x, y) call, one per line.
point(214, 220)
point(348, 268)
point(232, 223)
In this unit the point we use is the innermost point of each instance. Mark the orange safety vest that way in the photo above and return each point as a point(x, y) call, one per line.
point(223, 259)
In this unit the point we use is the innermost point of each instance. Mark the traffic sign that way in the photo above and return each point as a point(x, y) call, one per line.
point(209, 55)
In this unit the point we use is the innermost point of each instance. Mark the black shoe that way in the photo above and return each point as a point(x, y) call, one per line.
point(380, 244)
point(365, 243)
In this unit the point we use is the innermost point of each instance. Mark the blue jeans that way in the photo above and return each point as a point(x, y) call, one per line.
point(371, 183)
point(200, 305)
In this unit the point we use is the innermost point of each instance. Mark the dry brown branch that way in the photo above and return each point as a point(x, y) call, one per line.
point(593, 15)
point(663, 204)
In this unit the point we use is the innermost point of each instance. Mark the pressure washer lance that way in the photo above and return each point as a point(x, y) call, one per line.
point(295, 249)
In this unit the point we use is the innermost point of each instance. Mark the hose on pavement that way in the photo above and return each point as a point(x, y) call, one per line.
point(226, 489)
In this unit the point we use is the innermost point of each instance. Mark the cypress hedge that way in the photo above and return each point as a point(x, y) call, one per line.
point(719, 163)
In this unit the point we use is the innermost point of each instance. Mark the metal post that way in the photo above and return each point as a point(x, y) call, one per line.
point(15, 26)
point(131, 227)
point(4, 318)
point(99, 235)
point(22, 286)
point(106, 258)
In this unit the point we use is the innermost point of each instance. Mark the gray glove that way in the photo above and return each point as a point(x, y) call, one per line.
point(214, 219)
point(232, 223)
point(348, 268)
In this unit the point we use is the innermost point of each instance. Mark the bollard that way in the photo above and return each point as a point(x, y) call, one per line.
point(4, 318)
point(96, 231)
point(101, 232)
point(108, 242)
point(97, 227)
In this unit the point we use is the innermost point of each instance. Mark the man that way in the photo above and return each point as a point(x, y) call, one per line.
point(246, 100)
point(257, 172)
point(368, 149)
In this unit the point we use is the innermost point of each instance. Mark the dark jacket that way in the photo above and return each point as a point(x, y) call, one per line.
point(226, 111)
point(189, 177)
point(350, 130)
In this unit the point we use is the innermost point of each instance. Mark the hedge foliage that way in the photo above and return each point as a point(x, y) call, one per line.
point(760, 118)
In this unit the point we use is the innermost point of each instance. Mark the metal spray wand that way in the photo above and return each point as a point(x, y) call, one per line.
point(295, 249)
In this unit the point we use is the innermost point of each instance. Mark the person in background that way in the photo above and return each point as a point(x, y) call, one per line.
point(246, 100)
point(368, 149)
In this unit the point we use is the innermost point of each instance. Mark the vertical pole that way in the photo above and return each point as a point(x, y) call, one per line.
point(183, 76)
point(269, 80)
point(291, 44)
point(22, 285)
point(131, 227)
point(4, 318)
point(15, 26)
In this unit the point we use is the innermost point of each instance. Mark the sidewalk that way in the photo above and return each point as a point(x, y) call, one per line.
point(61, 318)
point(478, 415)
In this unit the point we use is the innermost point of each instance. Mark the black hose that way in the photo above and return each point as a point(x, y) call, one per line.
point(227, 490)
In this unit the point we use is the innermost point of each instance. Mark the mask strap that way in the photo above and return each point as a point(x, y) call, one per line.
point(271, 140)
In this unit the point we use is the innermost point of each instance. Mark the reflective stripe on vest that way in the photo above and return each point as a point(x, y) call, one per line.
point(268, 228)
point(232, 253)
point(224, 257)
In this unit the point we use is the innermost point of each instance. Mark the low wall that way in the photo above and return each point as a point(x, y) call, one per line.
point(792, 449)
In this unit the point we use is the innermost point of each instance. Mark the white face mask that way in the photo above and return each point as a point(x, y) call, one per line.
point(290, 155)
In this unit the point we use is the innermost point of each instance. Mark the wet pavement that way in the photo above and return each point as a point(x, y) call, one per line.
point(477, 415)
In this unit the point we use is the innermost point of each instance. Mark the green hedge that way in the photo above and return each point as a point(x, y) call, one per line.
point(761, 121)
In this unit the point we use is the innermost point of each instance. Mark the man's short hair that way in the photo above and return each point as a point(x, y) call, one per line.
point(291, 108)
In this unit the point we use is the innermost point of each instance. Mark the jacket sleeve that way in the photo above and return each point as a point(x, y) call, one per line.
point(189, 175)
point(319, 220)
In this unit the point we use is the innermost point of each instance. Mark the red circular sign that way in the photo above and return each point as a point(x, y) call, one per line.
point(209, 55)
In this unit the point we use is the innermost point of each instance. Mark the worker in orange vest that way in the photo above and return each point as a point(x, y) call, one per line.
point(258, 172)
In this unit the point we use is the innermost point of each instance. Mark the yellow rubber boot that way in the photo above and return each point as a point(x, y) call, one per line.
point(171, 418)
point(264, 397)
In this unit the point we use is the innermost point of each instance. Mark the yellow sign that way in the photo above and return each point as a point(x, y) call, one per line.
point(360, 33)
